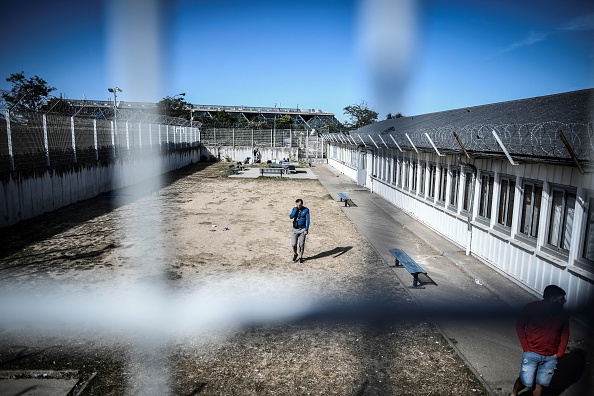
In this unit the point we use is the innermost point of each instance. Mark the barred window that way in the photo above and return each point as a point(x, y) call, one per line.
point(413, 180)
point(506, 200)
point(486, 198)
point(454, 187)
point(422, 178)
point(530, 209)
point(467, 190)
point(589, 236)
point(405, 176)
point(432, 180)
point(443, 179)
point(561, 218)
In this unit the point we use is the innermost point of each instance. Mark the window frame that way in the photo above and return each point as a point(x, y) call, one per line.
point(566, 191)
point(432, 179)
point(588, 233)
point(468, 190)
point(535, 185)
point(422, 177)
point(454, 187)
point(489, 201)
point(414, 164)
point(509, 200)
point(442, 189)
point(405, 171)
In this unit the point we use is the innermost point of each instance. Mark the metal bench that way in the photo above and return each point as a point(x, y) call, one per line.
point(404, 260)
point(345, 198)
point(234, 170)
point(278, 171)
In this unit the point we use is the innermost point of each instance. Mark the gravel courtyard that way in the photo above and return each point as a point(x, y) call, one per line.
point(185, 286)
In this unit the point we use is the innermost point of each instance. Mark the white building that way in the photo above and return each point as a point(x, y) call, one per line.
point(510, 182)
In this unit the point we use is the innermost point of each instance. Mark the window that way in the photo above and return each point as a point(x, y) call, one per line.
point(486, 198)
point(422, 179)
point(443, 179)
point(399, 173)
point(561, 218)
point(530, 209)
point(506, 200)
point(395, 171)
point(454, 187)
point(413, 180)
point(468, 190)
point(432, 181)
point(589, 236)
point(405, 173)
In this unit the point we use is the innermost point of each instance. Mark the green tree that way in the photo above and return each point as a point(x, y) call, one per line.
point(222, 118)
point(389, 116)
point(174, 106)
point(29, 94)
point(359, 115)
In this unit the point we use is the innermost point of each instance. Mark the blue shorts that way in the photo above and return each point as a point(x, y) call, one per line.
point(540, 366)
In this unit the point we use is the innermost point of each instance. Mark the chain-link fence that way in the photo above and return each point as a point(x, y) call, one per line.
point(31, 140)
point(310, 146)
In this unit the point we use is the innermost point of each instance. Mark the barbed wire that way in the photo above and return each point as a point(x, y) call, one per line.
point(527, 140)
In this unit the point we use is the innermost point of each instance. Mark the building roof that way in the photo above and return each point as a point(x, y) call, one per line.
point(528, 129)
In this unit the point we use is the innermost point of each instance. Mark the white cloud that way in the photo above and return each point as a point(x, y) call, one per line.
point(582, 23)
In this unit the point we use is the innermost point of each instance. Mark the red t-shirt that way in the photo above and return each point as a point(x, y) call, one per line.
point(543, 328)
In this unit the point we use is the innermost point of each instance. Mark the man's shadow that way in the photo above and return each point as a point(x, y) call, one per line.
point(570, 369)
point(338, 251)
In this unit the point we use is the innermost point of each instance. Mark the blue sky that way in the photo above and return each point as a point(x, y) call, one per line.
point(412, 57)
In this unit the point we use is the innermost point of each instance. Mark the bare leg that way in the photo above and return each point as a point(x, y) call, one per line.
point(518, 386)
point(538, 390)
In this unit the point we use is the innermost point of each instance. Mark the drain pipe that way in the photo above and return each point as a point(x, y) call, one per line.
point(471, 204)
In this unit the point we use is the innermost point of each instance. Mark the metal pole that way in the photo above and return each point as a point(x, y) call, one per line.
point(94, 140)
point(73, 138)
point(45, 141)
point(9, 136)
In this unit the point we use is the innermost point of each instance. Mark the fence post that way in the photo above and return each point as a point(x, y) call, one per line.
point(272, 138)
point(127, 137)
point(73, 138)
point(160, 142)
point(151, 137)
point(252, 139)
point(9, 136)
point(95, 139)
point(45, 140)
point(140, 135)
point(233, 138)
point(306, 145)
point(113, 147)
point(215, 136)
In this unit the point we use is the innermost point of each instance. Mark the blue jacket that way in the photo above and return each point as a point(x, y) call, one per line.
point(302, 219)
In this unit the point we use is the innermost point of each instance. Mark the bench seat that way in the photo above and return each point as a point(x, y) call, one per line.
point(278, 171)
point(404, 260)
point(344, 198)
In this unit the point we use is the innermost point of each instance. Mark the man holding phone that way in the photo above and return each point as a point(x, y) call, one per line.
point(300, 217)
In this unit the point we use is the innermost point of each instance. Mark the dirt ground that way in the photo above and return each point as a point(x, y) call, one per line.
point(252, 322)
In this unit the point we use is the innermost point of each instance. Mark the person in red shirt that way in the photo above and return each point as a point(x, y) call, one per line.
point(543, 330)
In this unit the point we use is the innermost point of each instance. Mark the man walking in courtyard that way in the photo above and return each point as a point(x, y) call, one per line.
point(543, 330)
point(300, 217)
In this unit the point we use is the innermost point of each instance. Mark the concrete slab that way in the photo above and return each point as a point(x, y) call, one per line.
point(472, 304)
point(37, 382)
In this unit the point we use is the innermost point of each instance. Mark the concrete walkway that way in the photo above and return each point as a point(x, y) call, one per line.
point(474, 306)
